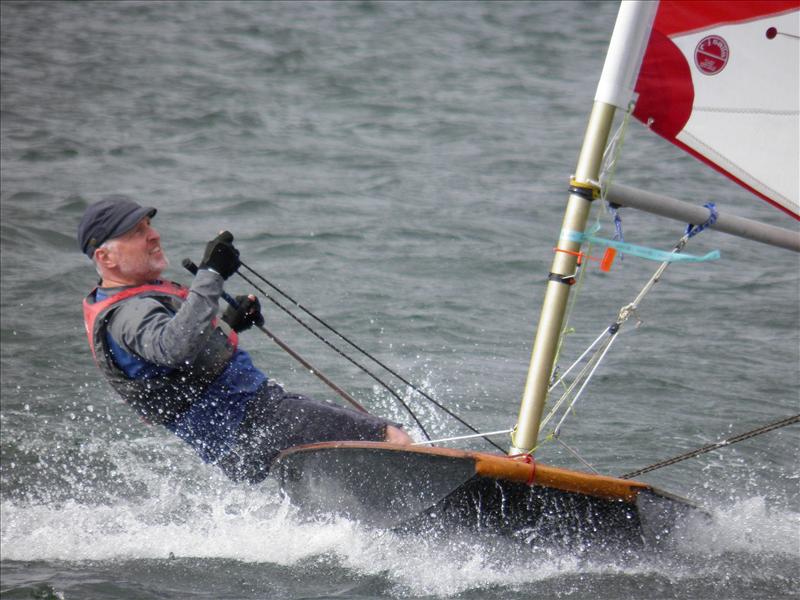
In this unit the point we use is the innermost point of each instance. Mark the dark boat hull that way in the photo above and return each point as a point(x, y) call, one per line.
point(396, 487)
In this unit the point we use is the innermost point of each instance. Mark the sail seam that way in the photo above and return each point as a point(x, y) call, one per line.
point(745, 111)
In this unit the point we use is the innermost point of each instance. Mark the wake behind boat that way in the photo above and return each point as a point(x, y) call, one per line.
point(695, 89)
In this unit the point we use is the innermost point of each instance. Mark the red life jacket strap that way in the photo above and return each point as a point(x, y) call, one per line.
point(92, 309)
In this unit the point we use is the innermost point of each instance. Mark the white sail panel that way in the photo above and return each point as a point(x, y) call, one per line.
point(722, 81)
point(746, 116)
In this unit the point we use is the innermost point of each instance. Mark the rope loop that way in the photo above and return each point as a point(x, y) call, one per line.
point(526, 458)
point(693, 230)
point(613, 209)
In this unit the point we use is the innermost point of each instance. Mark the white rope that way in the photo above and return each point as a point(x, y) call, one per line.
point(613, 151)
point(462, 437)
point(568, 392)
point(578, 456)
point(578, 360)
point(580, 376)
point(585, 383)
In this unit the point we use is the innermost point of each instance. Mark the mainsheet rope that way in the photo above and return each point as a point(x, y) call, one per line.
point(362, 351)
point(330, 345)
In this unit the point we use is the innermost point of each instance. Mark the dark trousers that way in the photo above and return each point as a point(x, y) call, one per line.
point(277, 420)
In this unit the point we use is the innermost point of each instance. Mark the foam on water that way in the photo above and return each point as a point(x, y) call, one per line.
point(253, 525)
point(155, 501)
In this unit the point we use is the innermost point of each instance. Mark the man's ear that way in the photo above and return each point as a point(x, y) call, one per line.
point(105, 258)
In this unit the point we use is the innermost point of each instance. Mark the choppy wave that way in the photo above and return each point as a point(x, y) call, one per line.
point(745, 545)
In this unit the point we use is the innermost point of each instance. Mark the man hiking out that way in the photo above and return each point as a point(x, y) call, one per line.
point(163, 350)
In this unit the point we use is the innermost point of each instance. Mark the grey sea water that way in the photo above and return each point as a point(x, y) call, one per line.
point(400, 169)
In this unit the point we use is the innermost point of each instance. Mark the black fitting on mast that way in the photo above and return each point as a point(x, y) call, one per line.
point(588, 191)
point(565, 279)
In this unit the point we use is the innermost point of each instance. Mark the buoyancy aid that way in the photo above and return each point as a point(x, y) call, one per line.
point(162, 398)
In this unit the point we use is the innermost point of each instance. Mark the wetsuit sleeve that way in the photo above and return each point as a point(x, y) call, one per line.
point(150, 330)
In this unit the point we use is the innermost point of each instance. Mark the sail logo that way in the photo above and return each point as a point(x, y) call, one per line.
point(711, 55)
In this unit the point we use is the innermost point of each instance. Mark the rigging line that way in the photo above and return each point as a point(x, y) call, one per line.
point(594, 361)
point(566, 330)
point(192, 268)
point(578, 360)
point(627, 311)
point(464, 437)
point(362, 351)
point(708, 448)
point(600, 358)
point(608, 166)
point(330, 345)
point(612, 153)
point(320, 375)
point(575, 453)
point(575, 382)
point(608, 170)
point(624, 314)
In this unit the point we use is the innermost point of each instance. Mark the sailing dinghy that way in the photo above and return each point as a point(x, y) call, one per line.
point(693, 66)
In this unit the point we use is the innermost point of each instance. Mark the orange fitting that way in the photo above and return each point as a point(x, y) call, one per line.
point(608, 258)
point(605, 262)
point(580, 255)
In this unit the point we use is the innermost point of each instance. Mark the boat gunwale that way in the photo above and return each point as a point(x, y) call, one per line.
point(518, 469)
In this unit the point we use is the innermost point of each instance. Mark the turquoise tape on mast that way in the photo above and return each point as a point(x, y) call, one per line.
point(634, 250)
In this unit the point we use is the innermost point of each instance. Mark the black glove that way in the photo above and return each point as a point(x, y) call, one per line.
point(245, 316)
point(221, 256)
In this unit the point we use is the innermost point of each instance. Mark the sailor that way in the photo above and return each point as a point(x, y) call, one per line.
point(163, 350)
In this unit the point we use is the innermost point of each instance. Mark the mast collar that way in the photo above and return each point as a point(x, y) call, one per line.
point(587, 190)
point(565, 279)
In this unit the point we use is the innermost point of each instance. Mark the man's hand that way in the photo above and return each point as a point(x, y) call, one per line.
point(248, 314)
point(221, 256)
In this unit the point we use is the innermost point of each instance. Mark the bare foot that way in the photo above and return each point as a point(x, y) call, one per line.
point(395, 435)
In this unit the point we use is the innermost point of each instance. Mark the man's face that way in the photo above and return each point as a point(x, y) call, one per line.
point(138, 253)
